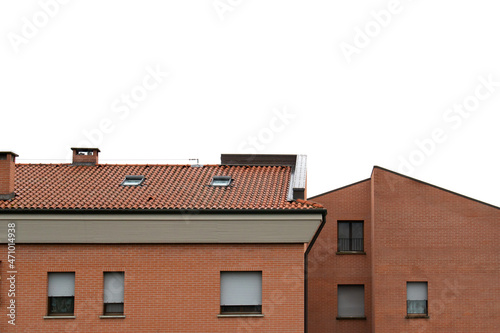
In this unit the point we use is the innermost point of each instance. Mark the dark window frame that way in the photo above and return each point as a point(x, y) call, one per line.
point(339, 286)
point(350, 239)
point(254, 309)
point(51, 298)
point(241, 309)
point(49, 307)
point(424, 314)
point(110, 313)
point(104, 308)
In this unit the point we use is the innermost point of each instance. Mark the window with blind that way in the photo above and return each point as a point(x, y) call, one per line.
point(351, 301)
point(240, 292)
point(350, 236)
point(61, 293)
point(416, 298)
point(114, 293)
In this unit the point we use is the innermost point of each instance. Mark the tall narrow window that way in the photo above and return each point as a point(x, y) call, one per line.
point(240, 292)
point(61, 294)
point(416, 298)
point(350, 236)
point(351, 301)
point(114, 293)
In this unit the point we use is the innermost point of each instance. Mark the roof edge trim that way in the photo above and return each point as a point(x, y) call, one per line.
point(164, 211)
point(435, 186)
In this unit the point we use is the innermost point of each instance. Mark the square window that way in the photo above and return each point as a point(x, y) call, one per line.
point(350, 236)
point(351, 301)
point(61, 293)
point(416, 298)
point(240, 292)
point(114, 293)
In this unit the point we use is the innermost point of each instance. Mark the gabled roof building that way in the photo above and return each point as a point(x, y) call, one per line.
point(155, 248)
point(400, 255)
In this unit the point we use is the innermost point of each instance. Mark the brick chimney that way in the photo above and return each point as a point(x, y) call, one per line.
point(7, 174)
point(85, 156)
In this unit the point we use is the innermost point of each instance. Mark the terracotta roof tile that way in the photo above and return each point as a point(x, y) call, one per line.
point(67, 187)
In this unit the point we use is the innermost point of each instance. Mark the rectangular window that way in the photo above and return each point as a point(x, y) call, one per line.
point(350, 236)
point(133, 180)
point(221, 181)
point(114, 293)
point(351, 301)
point(61, 294)
point(240, 292)
point(416, 298)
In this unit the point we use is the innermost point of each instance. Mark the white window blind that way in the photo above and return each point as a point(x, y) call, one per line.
point(416, 291)
point(114, 287)
point(61, 284)
point(351, 301)
point(241, 288)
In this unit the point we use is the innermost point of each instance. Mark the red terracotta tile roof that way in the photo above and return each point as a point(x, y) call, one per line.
point(68, 187)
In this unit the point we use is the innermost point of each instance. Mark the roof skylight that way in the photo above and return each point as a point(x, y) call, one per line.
point(221, 181)
point(133, 180)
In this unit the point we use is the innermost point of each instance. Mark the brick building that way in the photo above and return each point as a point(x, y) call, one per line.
point(400, 255)
point(92, 247)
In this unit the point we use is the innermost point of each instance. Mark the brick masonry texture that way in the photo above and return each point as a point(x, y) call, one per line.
point(7, 173)
point(413, 232)
point(326, 269)
point(168, 288)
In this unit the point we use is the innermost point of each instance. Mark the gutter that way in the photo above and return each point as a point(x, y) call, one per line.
point(323, 220)
point(165, 211)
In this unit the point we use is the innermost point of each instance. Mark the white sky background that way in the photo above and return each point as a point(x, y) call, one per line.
point(233, 67)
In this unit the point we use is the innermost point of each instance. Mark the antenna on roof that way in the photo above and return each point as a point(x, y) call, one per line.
point(197, 165)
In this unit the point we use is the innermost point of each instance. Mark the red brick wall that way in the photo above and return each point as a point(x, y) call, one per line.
point(168, 288)
point(326, 269)
point(422, 233)
point(417, 233)
point(93, 159)
point(7, 172)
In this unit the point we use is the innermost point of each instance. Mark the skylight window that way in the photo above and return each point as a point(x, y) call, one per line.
point(133, 180)
point(221, 181)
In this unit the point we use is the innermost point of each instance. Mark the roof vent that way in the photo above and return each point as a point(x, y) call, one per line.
point(85, 156)
point(7, 174)
point(133, 180)
point(221, 181)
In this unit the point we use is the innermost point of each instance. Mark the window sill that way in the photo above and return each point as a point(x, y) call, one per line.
point(112, 317)
point(59, 317)
point(222, 315)
point(352, 318)
point(417, 316)
point(351, 252)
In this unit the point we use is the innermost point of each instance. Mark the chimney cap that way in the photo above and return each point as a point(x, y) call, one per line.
point(8, 152)
point(86, 149)
point(85, 156)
